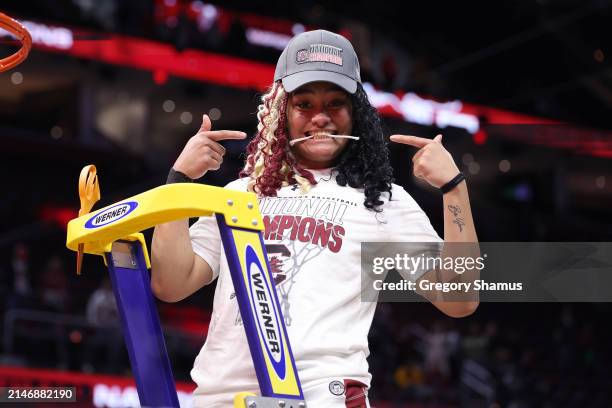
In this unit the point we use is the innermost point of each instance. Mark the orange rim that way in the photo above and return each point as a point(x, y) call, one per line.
point(22, 35)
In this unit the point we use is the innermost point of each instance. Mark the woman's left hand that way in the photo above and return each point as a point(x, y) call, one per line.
point(432, 162)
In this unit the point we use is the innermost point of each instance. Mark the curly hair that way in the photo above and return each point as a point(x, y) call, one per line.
point(364, 164)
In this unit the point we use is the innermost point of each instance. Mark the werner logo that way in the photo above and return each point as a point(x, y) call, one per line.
point(264, 306)
point(112, 214)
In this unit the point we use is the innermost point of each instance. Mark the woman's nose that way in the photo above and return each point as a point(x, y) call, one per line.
point(321, 119)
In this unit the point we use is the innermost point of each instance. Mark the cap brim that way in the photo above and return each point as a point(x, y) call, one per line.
point(293, 82)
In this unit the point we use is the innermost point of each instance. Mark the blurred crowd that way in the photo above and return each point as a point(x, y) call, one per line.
point(53, 318)
point(505, 355)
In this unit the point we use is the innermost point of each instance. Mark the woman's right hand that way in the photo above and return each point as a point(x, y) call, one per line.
point(203, 152)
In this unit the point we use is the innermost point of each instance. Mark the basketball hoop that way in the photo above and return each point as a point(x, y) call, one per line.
point(22, 35)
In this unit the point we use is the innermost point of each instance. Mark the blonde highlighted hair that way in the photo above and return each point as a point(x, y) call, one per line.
point(270, 163)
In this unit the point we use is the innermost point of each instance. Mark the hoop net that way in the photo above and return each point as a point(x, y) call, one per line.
point(22, 35)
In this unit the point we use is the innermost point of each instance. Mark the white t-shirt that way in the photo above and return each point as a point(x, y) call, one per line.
point(313, 243)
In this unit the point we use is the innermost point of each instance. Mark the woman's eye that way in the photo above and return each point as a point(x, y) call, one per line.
point(337, 103)
point(303, 105)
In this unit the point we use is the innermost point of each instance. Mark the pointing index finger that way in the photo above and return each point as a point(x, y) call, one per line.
point(411, 140)
point(217, 135)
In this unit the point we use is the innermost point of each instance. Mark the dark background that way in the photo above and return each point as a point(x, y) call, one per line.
point(547, 59)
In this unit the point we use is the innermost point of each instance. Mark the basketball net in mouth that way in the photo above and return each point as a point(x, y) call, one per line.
point(322, 135)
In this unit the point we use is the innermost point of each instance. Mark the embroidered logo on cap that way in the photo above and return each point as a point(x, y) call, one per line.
point(319, 53)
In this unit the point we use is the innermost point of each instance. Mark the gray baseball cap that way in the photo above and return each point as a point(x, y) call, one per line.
point(318, 56)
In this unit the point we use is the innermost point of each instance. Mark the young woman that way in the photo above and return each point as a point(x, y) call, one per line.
point(319, 164)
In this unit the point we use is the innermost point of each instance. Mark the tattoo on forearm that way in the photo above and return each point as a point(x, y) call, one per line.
point(460, 223)
point(456, 210)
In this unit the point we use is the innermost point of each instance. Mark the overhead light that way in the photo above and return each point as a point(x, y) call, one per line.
point(474, 168)
point(16, 78)
point(186, 118)
point(298, 29)
point(467, 158)
point(214, 114)
point(504, 166)
point(56, 132)
point(168, 106)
